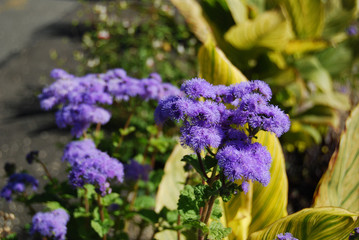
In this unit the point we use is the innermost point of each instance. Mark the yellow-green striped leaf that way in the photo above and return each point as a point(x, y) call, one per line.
point(192, 12)
point(173, 180)
point(306, 17)
point(312, 224)
point(238, 10)
point(261, 206)
point(171, 184)
point(215, 67)
point(339, 186)
point(270, 202)
point(269, 30)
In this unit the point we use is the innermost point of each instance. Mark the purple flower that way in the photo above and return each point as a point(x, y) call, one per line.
point(285, 236)
point(352, 30)
point(17, 184)
point(91, 166)
point(135, 171)
point(251, 162)
point(80, 117)
point(51, 224)
point(60, 74)
point(355, 234)
point(198, 87)
point(31, 156)
point(198, 138)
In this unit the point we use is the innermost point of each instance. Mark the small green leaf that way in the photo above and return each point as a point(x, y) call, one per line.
point(217, 210)
point(81, 212)
point(142, 202)
point(100, 227)
point(127, 131)
point(217, 231)
point(112, 198)
point(52, 205)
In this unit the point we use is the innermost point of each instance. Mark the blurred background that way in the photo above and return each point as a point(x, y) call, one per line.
point(307, 53)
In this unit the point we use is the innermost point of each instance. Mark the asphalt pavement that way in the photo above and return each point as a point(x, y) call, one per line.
point(30, 32)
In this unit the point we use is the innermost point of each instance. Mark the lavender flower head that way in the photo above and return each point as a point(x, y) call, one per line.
point(135, 171)
point(51, 224)
point(91, 166)
point(17, 184)
point(285, 236)
point(211, 117)
point(81, 99)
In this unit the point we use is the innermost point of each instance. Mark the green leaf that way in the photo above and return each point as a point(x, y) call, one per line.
point(100, 227)
point(269, 30)
point(238, 10)
point(81, 212)
point(142, 202)
point(217, 210)
point(216, 68)
point(339, 185)
point(172, 181)
point(335, 60)
point(306, 17)
point(217, 231)
point(297, 46)
point(312, 223)
point(52, 205)
point(112, 198)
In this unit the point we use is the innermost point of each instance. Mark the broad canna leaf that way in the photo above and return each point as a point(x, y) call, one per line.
point(171, 184)
point(296, 46)
point(192, 12)
point(306, 17)
point(173, 180)
point(269, 30)
point(339, 185)
point(312, 223)
point(261, 206)
point(215, 67)
point(238, 10)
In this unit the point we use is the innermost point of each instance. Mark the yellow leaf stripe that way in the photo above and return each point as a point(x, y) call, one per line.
point(312, 224)
point(339, 186)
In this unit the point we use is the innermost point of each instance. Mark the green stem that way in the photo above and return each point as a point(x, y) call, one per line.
point(102, 215)
point(202, 166)
point(46, 170)
point(127, 124)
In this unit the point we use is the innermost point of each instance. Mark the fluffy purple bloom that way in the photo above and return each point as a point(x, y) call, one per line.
point(198, 87)
point(80, 117)
point(198, 138)
point(135, 171)
point(285, 236)
point(251, 162)
point(17, 184)
point(31, 156)
point(352, 30)
point(60, 74)
point(92, 166)
point(51, 224)
point(168, 109)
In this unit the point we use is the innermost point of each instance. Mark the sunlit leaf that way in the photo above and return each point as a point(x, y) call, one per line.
point(312, 223)
point(268, 30)
point(301, 46)
point(306, 17)
point(216, 68)
point(192, 12)
point(339, 185)
point(238, 10)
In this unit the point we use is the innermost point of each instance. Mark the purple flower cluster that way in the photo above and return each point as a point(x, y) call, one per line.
point(91, 166)
point(51, 224)
point(80, 98)
point(135, 171)
point(212, 117)
point(355, 234)
point(17, 184)
point(285, 236)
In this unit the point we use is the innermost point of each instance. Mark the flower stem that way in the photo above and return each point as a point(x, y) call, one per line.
point(45, 169)
point(202, 166)
point(102, 215)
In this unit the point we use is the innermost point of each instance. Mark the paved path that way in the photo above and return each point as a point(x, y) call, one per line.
point(29, 31)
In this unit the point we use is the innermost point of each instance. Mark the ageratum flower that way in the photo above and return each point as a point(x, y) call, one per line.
point(355, 234)
point(51, 224)
point(135, 171)
point(285, 236)
point(212, 117)
point(79, 98)
point(91, 166)
point(17, 184)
